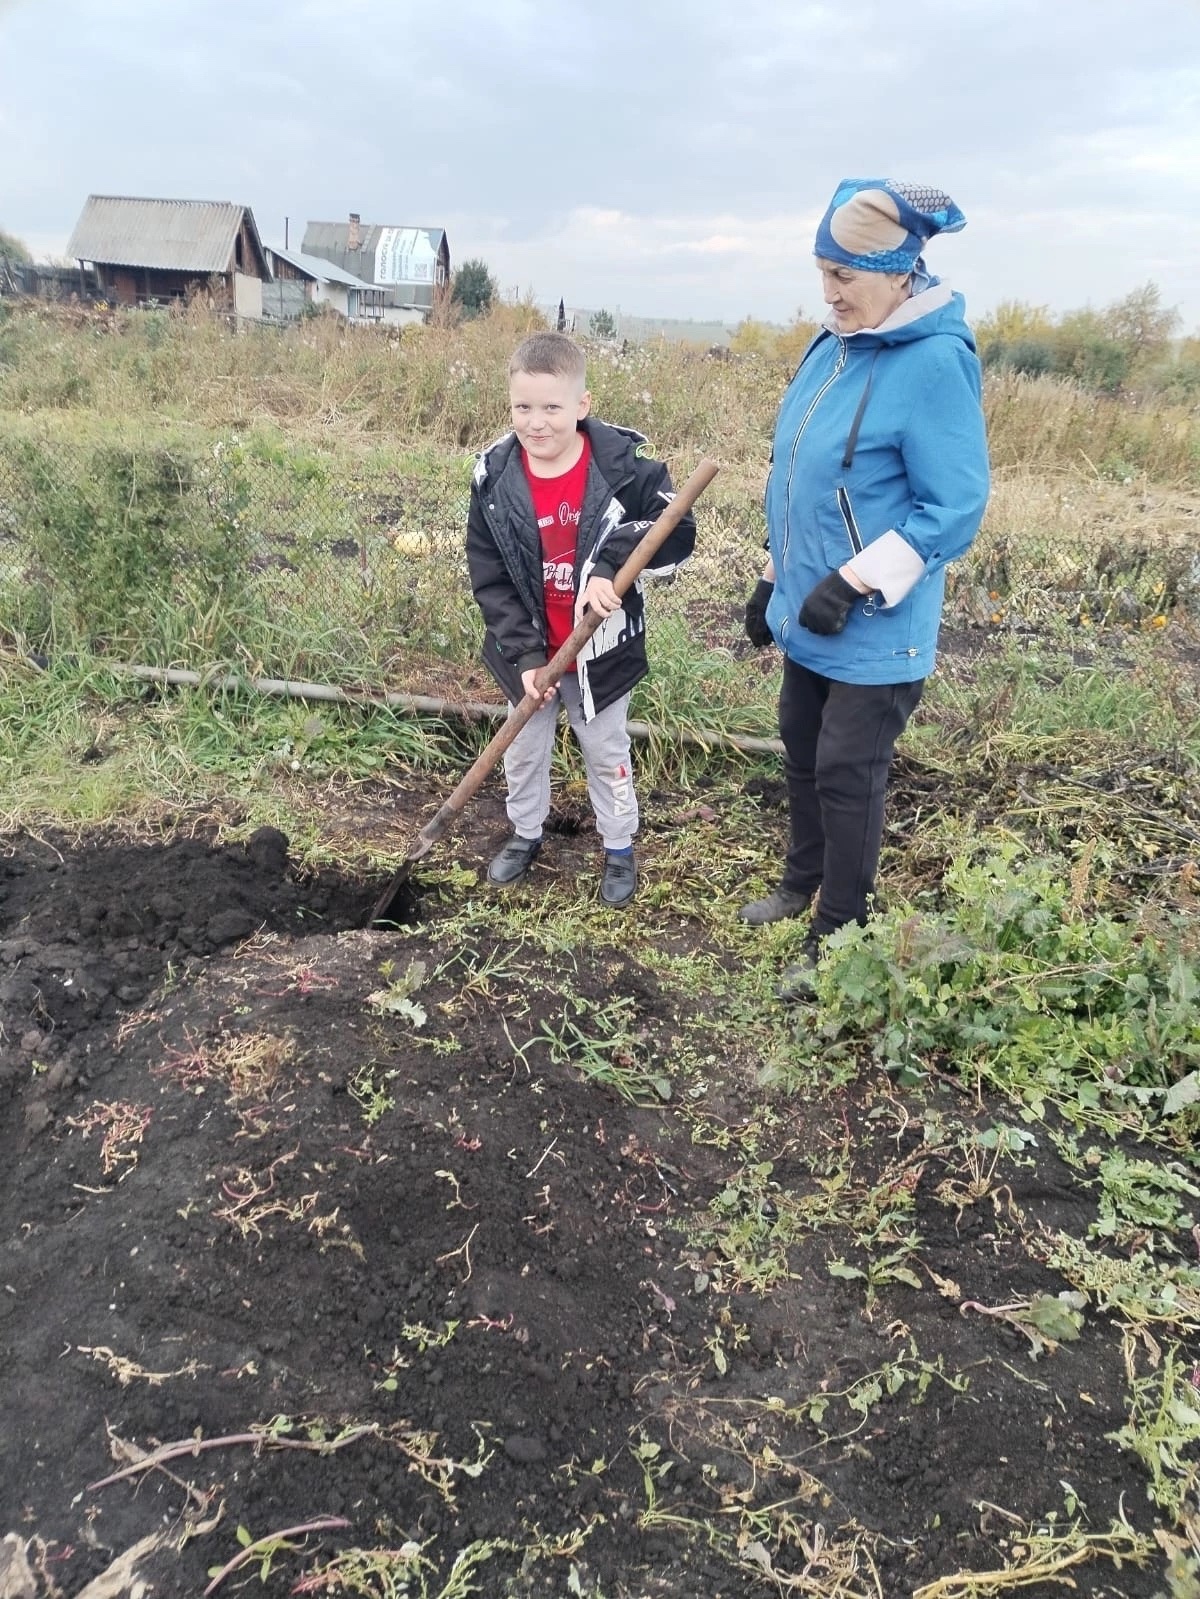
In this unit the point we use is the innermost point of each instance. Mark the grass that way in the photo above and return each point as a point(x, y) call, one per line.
point(294, 501)
point(81, 743)
point(1037, 692)
point(247, 539)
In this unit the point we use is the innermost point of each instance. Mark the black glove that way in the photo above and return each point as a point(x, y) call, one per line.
point(827, 608)
point(757, 630)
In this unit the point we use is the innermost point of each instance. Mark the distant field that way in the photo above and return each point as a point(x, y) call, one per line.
point(321, 474)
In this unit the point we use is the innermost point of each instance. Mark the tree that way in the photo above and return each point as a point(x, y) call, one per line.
point(1033, 356)
point(603, 325)
point(1012, 323)
point(474, 288)
point(1141, 323)
point(752, 337)
point(1086, 351)
point(772, 342)
point(11, 248)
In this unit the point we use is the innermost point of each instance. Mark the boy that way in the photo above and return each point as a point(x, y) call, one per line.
point(557, 505)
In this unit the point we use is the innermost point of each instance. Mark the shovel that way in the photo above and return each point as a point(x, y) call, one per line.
point(652, 541)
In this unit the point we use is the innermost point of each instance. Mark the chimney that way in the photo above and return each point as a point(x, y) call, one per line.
point(354, 240)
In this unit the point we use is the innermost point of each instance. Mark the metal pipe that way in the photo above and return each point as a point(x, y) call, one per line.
point(458, 710)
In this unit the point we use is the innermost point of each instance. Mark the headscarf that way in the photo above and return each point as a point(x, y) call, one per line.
point(876, 225)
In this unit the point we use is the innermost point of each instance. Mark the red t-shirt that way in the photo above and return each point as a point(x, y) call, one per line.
point(557, 504)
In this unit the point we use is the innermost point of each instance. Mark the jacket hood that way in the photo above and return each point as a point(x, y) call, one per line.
point(935, 309)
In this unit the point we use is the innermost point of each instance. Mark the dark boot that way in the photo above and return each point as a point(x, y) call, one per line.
point(620, 878)
point(796, 985)
point(778, 906)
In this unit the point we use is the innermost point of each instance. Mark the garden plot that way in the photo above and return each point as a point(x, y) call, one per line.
point(469, 1256)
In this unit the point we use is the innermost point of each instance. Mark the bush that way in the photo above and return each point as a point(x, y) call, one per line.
point(1035, 357)
point(11, 248)
point(1018, 981)
point(122, 536)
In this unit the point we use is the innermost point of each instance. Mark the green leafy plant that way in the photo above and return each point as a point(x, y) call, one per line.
point(132, 534)
point(1140, 1196)
point(407, 1572)
point(1046, 1319)
point(396, 999)
point(366, 1087)
point(265, 1551)
point(1140, 1289)
point(601, 1041)
point(909, 1375)
point(1163, 1431)
point(892, 1267)
point(1014, 982)
point(744, 1230)
point(727, 1337)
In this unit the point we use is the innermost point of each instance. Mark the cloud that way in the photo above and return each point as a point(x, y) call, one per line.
point(671, 156)
point(662, 266)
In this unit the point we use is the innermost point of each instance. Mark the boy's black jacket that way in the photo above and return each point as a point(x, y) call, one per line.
point(625, 489)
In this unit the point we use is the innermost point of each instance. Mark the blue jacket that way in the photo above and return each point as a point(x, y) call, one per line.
point(911, 499)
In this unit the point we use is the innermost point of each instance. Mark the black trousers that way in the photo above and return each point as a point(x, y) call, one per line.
point(839, 739)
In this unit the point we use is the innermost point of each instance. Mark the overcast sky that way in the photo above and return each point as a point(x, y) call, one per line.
point(664, 157)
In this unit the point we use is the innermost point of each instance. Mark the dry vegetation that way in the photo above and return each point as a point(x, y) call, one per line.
point(443, 388)
point(333, 461)
point(331, 406)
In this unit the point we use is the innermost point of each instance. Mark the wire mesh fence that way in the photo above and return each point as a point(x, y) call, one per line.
point(344, 570)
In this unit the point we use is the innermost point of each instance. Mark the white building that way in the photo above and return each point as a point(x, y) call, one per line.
point(301, 280)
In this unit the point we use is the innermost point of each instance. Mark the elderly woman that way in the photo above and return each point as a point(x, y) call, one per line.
point(879, 477)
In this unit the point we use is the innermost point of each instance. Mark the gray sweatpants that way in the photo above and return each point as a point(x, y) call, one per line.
point(606, 757)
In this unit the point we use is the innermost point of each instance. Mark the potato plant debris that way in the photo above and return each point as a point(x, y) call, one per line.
point(474, 1257)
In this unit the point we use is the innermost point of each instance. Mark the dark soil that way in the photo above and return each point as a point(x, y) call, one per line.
point(441, 1286)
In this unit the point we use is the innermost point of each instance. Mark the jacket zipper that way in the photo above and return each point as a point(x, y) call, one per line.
point(847, 510)
point(817, 398)
point(848, 517)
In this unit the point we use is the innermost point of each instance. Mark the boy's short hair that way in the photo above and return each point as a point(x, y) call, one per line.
point(552, 353)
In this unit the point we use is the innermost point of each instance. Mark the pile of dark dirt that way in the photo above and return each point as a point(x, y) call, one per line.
point(89, 932)
point(305, 1224)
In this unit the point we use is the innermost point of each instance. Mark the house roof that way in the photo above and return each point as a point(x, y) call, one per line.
point(169, 235)
point(399, 259)
point(315, 266)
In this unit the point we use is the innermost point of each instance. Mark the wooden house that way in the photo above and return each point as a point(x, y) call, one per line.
point(155, 251)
